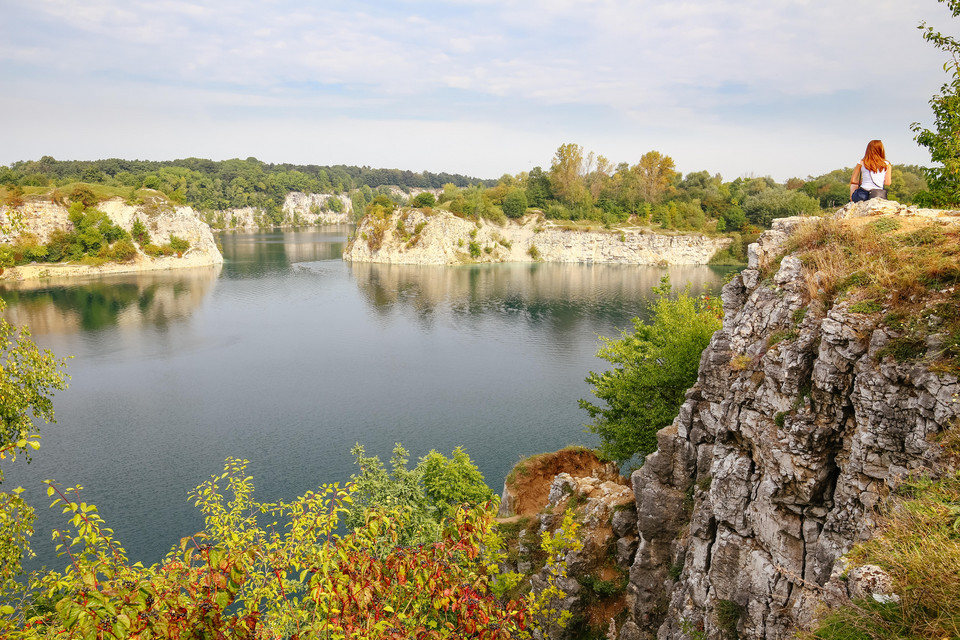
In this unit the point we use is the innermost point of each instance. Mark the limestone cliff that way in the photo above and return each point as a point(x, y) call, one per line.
point(299, 209)
point(415, 236)
point(797, 426)
point(41, 218)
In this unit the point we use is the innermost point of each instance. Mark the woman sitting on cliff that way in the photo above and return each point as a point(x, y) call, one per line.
point(871, 175)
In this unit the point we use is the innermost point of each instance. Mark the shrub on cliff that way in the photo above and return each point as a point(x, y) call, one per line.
point(429, 492)
point(653, 367)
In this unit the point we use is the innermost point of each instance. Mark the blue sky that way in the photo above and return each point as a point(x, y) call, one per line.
point(480, 87)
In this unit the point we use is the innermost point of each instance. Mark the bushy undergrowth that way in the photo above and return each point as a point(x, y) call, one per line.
point(906, 271)
point(918, 544)
point(280, 570)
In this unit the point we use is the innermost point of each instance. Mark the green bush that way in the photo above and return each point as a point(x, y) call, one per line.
point(425, 199)
point(515, 203)
point(152, 250)
point(178, 244)
point(652, 369)
point(123, 251)
point(139, 232)
point(429, 492)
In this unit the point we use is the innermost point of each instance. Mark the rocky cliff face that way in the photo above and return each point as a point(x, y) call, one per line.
point(417, 237)
point(41, 218)
point(299, 209)
point(794, 430)
point(542, 490)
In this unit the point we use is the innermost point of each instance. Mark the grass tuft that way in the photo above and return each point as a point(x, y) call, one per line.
point(918, 544)
point(907, 267)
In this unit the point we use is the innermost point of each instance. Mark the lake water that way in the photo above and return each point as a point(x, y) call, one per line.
point(288, 356)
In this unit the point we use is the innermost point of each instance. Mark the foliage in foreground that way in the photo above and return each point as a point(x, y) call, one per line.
point(652, 369)
point(28, 378)
point(279, 570)
point(919, 546)
point(428, 493)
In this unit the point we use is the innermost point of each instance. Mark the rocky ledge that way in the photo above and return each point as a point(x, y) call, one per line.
point(162, 221)
point(797, 426)
point(415, 236)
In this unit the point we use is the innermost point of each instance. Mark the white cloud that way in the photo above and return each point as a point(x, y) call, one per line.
point(694, 75)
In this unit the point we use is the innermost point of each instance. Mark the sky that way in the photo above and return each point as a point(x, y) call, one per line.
point(785, 88)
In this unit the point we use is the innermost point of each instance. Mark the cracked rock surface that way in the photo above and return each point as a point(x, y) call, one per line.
point(780, 453)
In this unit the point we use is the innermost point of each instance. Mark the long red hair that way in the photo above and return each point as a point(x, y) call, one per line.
point(875, 158)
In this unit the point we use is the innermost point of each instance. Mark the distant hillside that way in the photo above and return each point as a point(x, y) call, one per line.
point(229, 184)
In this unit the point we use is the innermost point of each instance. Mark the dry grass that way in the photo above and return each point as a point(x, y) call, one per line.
point(907, 269)
point(919, 546)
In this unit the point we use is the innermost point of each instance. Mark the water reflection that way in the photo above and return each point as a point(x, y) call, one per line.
point(263, 254)
point(61, 306)
point(559, 294)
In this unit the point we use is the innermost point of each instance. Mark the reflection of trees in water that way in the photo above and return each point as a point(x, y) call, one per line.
point(560, 295)
point(257, 254)
point(146, 298)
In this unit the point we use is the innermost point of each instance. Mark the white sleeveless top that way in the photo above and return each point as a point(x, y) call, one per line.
point(871, 179)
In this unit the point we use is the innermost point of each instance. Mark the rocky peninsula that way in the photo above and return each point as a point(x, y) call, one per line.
point(422, 237)
point(42, 218)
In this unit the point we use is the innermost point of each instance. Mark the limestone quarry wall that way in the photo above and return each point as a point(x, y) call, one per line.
point(440, 238)
point(162, 221)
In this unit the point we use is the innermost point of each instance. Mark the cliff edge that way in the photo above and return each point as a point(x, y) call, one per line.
point(805, 415)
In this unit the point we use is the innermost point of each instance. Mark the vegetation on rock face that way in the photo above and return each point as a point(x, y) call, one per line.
point(918, 545)
point(653, 367)
point(905, 271)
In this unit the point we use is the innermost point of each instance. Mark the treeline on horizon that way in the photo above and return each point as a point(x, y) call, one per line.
point(577, 186)
point(227, 184)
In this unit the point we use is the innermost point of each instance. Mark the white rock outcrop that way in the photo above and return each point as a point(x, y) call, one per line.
point(414, 236)
point(162, 221)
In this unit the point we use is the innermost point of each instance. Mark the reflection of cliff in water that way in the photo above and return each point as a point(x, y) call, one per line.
point(558, 294)
point(271, 252)
point(150, 298)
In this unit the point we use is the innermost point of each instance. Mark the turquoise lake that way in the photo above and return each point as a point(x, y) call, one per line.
point(288, 356)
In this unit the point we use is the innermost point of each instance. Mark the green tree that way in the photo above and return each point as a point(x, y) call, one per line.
point(567, 174)
point(424, 199)
point(28, 378)
point(943, 141)
point(654, 173)
point(515, 203)
point(652, 369)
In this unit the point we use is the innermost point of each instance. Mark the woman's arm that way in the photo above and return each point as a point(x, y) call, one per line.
point(855, 179)
point(886, 178)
